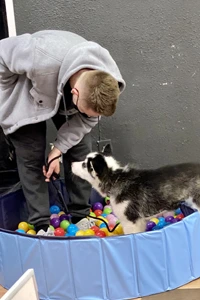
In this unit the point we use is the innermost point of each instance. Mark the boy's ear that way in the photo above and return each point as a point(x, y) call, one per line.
point(107, 150)
point(99, 165)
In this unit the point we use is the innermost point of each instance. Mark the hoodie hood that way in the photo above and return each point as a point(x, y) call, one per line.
point(92, 56)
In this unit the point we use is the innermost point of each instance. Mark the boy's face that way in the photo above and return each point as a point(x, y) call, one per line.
point(77, 98)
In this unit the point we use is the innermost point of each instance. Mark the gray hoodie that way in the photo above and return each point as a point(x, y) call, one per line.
point(33, 70)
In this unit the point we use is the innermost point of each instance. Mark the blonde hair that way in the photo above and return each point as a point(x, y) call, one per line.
point(102, 92)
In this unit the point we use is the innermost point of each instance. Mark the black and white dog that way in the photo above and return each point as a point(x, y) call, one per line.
point(136, 195)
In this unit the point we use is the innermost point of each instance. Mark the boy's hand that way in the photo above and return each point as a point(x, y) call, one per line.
point(54, 165)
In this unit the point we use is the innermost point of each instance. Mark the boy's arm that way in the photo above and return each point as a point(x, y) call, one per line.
point(72, 131)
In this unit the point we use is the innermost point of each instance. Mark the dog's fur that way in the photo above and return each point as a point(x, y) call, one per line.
point(136, 194)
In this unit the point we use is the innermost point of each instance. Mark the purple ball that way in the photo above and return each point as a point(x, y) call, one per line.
point(97, 205)
point(175, 220)
point(55, 222)
point(169, 219)
point(150, 225)
point(64, 217)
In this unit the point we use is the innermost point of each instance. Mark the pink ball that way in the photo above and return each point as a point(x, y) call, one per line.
point(110, 217)
point(112, 222)
point(107, 206)
point(168, 213)
point(54, 216)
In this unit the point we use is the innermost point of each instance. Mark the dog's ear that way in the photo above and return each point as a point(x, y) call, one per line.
point(107, 150)
point(99, 165)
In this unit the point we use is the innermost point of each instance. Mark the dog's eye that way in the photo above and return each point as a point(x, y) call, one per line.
point(84, 165)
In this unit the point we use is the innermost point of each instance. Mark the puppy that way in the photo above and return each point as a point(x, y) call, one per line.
point(136, 194)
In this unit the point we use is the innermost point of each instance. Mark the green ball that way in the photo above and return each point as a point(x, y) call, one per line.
point(31, 226)
point(50, 226)
point(107, 200)
point(64, 224)
point(107, 210)
point(92, 214)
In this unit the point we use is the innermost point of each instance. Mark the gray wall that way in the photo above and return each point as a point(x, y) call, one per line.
point(156, 44)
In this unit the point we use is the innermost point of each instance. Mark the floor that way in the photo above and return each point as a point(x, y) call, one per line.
point(193, 293)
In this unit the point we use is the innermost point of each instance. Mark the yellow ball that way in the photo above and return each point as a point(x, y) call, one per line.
point(80, 233)
point(119, 229)
point(61, 213)
point(155, 220)
point(89, 232)
point(111, 233)
point(31, 231)
point(99, 222)
point(24, 226)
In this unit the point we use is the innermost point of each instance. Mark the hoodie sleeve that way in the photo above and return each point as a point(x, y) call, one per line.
point(72, 131)
point(16, 58)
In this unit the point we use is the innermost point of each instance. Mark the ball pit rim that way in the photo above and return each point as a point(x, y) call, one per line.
point(11, 232)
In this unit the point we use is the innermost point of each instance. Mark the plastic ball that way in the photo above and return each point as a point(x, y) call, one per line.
point(24, 226)
point(150, 225)
point(55, 222)
point(112, 222)
point(89, 232)
point(180, 217)
point(100, 221)
point(119, 229)
point(175, 220)
point(59, 232)
point(105, 230)
point(103, 215)
point(160, 224)
point(31, 226)
point(64, 217)
point(61, 213)
point(97, 206)
point(178, 211)
point(168, 213)
point(107, 210)
point(98, 212)
point(169, 219)
point(72, 229)
point(107, 200)
point(64, 224)
point(52, 228)
point(54, 216)
point(21, 230)
point(92, 214)
point(54, 209)
point(31, 231)
point(100, 234)
point(103, 225)
point(80, 233)
point(95, 228)
point(155, 220)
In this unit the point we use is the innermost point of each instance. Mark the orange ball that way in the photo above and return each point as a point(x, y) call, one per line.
point(98, 212)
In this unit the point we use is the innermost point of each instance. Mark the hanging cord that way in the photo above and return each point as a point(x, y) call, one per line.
point(57, 176)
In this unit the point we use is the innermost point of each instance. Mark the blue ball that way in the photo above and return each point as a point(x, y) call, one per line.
point(54, 209)
point(72, 229)
point(160, 224)
point(104, 215)
point(155, 228)
point(178, 211)
point(21, 230)
point(161, 219)
point(103, 225)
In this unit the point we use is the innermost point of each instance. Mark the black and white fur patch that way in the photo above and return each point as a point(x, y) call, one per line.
point(135, 194)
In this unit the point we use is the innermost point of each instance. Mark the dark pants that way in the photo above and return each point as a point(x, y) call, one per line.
point(30, 144)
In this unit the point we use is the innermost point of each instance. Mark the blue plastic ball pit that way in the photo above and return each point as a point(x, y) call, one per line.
point(120, 267)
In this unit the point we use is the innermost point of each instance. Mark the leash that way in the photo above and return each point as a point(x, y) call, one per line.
point(62, 200)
